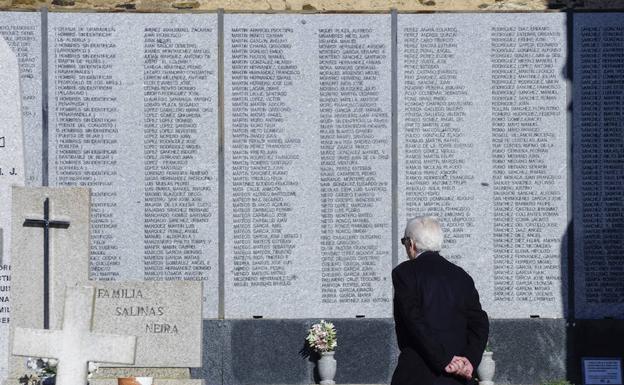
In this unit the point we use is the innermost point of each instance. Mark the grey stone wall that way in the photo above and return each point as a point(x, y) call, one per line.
point(264, 351)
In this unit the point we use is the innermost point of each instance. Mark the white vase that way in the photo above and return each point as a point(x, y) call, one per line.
point(486, 369)
point(327, 368)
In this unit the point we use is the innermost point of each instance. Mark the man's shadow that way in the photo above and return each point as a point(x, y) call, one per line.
point(313, 358)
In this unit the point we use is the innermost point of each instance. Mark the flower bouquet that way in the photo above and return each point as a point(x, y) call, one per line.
point(43, 371)
point(322, 337)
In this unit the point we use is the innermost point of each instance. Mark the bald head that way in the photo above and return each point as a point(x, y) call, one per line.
point(425, 233)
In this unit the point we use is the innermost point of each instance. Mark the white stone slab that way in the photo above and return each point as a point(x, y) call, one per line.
point(138, 124)
point(482, 145)
point(598, 165)
point(307, 166)
point(75, 344)
point(69, 255)
point(22, 32)
point(112, 373)
point(11, 173)
point(166, 317)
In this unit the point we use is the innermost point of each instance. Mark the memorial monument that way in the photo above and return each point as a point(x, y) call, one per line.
point(273, 158)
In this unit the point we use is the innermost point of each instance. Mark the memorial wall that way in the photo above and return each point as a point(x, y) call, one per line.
point(482, 142)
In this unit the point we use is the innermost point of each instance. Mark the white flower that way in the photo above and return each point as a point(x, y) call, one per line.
point(32, 363)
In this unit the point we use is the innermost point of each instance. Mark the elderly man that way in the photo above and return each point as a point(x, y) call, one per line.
point(441, 328)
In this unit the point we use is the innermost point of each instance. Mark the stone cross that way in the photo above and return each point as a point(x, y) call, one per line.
point(75, 345)
point(46, 224)
point(68, 259)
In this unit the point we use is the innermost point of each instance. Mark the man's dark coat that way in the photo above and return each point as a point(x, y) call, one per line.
point(437, 315)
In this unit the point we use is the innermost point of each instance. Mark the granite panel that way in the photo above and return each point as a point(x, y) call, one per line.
point(138, 124)
point(11, 173)
point(528, 351)
point(22, 32)
point(216, 350)
point(598, 165)
point(367, 351)
point(483, 146)
point(269, 352)
point(307, 165)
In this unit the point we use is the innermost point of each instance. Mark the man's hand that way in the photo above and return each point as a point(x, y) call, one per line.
point(460, 366)
point(455, 365)
point(467, 370)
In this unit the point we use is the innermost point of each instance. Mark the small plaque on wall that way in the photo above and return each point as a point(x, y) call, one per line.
point(602, 370)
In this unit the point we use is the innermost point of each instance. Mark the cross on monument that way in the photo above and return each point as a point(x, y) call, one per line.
point(47, 224)
point(75, 345)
